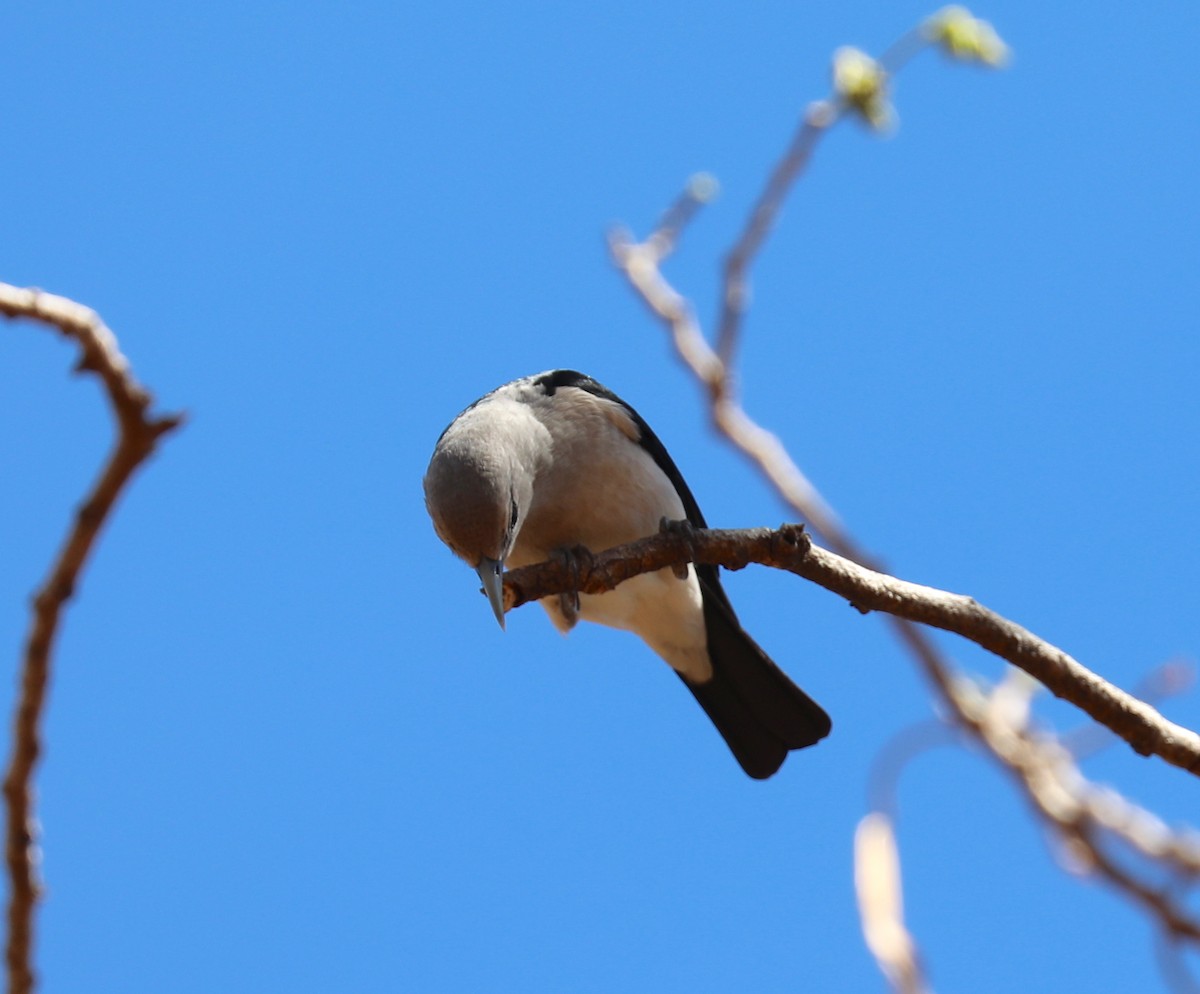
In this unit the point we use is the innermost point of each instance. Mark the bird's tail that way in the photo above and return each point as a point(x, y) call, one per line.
point(755, 706)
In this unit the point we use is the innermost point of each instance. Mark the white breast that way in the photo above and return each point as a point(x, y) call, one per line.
point(599, 489)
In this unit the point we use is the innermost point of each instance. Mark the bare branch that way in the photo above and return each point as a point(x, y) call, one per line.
point(1169, 951)
point(137, 435)
point(818, 118)
point(1083, 817)
point(1080, 814)
point(735, 289)
point(790, 548)
point(1171, 678)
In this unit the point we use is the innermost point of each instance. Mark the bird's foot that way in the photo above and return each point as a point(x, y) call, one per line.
point(685, 530)
point(573, 561)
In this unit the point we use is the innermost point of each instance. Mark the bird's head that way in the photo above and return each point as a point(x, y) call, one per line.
point(478, 488)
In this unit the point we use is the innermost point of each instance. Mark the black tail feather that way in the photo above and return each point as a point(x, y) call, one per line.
point(755, 706)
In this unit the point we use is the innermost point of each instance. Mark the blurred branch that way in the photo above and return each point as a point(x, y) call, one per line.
point(137, 435)
point(859, 90)
point(868, 92)
point(1169, 951)
point(881, 904)
point(1086, 820)
point(1081, 814)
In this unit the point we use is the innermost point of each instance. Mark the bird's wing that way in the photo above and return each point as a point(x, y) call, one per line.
point(550, 382)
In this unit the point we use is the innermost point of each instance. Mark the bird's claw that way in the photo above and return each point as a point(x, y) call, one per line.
point(685, 530)
point(572, 560)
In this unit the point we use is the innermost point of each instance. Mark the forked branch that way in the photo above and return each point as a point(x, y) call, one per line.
point(137, 435)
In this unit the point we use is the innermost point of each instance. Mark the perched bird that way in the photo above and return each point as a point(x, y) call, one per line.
point(554, 461)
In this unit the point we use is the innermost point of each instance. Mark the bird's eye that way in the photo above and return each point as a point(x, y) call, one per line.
point(512, 513)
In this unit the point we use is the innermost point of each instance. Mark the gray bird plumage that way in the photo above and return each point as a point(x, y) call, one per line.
point(554, 461)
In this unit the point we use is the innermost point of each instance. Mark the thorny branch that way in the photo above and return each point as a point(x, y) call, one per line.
point(137, 435)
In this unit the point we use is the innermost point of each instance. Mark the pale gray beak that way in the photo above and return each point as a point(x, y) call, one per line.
point(491, 574)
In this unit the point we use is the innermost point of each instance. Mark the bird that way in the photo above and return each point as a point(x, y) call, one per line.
point(548, 463)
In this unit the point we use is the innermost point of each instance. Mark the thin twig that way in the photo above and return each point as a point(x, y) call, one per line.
point(137, 435)
point(883, 781)
point(817, 118)
point(1169, 948)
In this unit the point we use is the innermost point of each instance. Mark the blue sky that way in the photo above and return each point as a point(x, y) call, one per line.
point(289, 748)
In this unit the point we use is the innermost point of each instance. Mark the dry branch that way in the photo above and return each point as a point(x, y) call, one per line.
point(137, 435)
point(861, 89)
point(790, 548)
